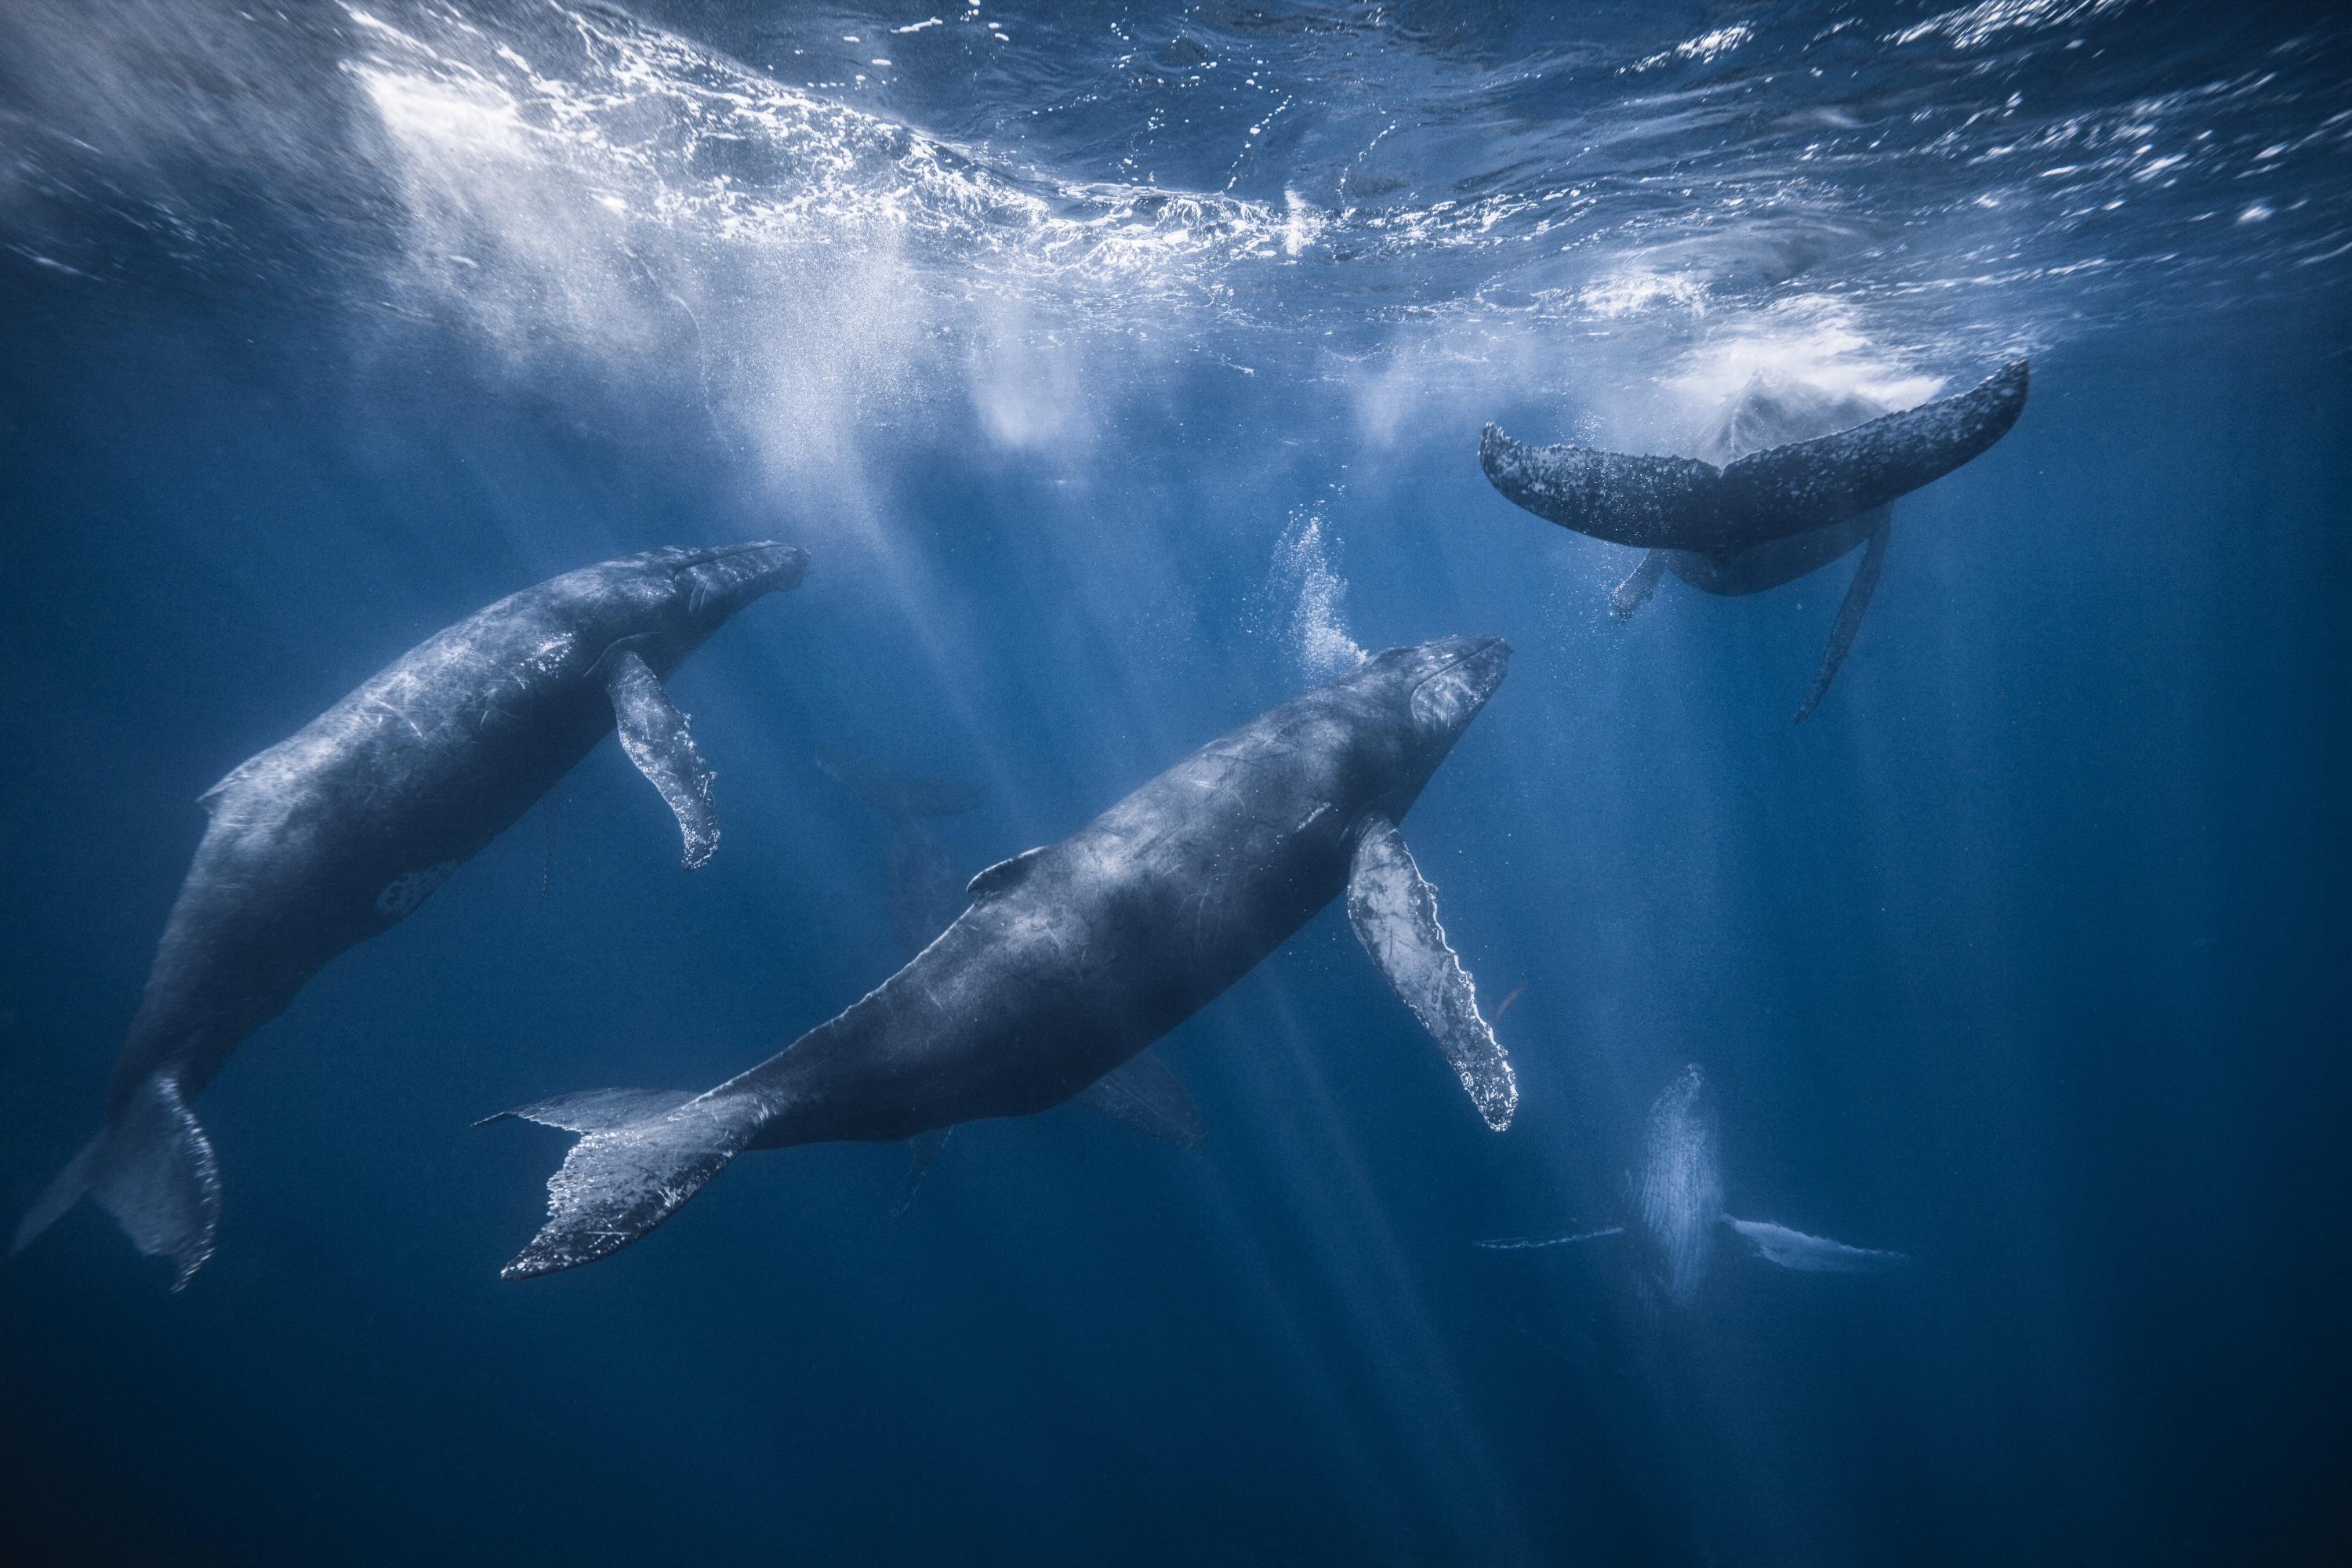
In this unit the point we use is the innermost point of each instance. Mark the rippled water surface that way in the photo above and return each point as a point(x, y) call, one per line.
point(1122, 368)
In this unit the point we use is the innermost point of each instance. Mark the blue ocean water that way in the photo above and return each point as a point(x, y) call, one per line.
point(1122, 370)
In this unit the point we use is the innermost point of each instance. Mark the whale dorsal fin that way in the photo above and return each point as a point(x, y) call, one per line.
point(1005, 875)
point(1811, 1254)
point(1142, 1093)
point(1849, 621)
point(1395, 912)
point(657, 737)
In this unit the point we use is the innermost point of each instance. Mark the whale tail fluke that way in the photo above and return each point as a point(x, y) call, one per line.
point(641, 1155)
point(1682, 503)
point(152, 1169)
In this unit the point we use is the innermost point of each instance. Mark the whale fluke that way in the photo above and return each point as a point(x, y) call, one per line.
point(1682, 503)
point(1811, 1254)
point(152, 1169)
point(1849, 621)
point(641, 1155)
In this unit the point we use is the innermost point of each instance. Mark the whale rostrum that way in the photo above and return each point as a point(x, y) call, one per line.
point(1074, 957)
point(340, 831)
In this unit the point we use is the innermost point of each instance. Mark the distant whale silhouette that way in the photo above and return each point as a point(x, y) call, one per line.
point(1075, 956)
point(1678, 1204)
point(1802, 481)
point(340, 831)
point(925, 895)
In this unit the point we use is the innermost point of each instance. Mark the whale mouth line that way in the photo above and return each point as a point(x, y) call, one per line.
point(738, 573)
point(1451, 694)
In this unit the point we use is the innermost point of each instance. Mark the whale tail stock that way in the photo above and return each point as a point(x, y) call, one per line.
point(641, 1155)
point(152, 1169)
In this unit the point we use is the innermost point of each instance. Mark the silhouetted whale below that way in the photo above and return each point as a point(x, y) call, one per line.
point(340, 832)
point(1678, 1194)
point(1074, 957)
point(1771, 512)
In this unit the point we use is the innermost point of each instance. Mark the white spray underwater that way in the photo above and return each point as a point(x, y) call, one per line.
point(1312, 598)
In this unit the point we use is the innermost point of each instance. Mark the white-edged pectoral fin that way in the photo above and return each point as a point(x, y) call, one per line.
point(1635, 590)
point(656, 735)
point(1142, 1093)
point(1395, 912)
point(1811, 1254)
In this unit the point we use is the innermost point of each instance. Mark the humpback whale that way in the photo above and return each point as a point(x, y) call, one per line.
point(1800, 483)
point(1678, 1208)
point(339, 832)
point(1074, 957)
point(925, 895)
point(924, 892)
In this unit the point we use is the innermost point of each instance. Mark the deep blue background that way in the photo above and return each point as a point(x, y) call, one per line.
point(2024, 956)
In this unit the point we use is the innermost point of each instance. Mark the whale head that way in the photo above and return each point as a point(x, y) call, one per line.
point(665, 604)
point(1406, 707)
point(708, 586)
point(1451, 680)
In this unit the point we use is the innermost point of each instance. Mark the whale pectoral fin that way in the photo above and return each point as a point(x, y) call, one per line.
point(1849, 621)
point(657, 739)
point(1566, 1238)
point(1395, 912)
point(1142, 1093)
point(1811, 1254)
point(925, 1147)
point(1634, 591)
point(1005, 874)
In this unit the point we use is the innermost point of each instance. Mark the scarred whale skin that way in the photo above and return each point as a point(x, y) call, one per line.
point(340, 831)
point(1074, 957)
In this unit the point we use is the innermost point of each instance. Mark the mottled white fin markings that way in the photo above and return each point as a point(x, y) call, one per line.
point(657, 739)
point(1395, 912)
